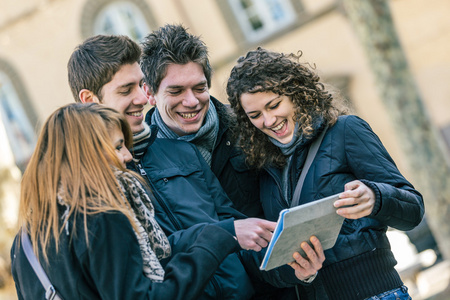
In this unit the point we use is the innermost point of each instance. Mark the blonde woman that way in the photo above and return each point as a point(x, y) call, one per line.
point(91, 224)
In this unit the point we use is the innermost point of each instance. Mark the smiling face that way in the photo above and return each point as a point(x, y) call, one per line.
point(271, 113)
point(122, 152)
point(125, 94)
point(182, 98)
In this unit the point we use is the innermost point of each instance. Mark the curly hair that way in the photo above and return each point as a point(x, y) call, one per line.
point(261, 70)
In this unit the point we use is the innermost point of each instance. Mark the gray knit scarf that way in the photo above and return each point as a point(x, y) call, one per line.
point(141, 140)
point(288, 150)
point(204, 138)
point(153, 243)
point(298, 140)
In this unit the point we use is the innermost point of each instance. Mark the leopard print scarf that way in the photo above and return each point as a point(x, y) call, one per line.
point(152, 240)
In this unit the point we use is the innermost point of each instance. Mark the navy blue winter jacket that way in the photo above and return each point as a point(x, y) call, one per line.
point(361, 263)
point(228, 164)
point(185, 192)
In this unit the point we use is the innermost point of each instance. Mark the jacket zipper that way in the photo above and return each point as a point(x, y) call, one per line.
point(173, 219)
point(159, 199)
point(280, 190)
point(216, 287)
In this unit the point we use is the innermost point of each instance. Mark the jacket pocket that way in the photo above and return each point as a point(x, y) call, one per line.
point(181, 170)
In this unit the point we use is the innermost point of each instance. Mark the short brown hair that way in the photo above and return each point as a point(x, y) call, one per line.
point(94, 62)
point(171, 44)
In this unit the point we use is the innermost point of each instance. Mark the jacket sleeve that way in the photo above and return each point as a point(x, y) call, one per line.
point(115, 262)
point(397, 204)
point(181, 239)
point(281, 277)
point(224, 206)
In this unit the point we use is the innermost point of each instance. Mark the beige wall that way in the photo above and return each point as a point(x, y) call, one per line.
point(37, 38)
point(424, 28)
point(38, 45)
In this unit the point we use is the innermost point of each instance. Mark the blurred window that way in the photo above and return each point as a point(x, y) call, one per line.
point(121, 18)
point(17, 125)
point(259, 19)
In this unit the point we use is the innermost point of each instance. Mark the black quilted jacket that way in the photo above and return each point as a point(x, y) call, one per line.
point(361, 263)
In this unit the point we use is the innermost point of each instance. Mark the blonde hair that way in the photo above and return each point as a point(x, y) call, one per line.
point(74, 154)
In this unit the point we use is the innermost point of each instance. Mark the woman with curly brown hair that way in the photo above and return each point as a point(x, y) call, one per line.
point(281, 109)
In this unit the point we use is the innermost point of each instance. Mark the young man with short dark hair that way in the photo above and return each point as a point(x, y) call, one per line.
point(178, 74)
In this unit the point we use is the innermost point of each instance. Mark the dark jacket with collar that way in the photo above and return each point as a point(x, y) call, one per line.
point(228, 164)
point(184, 193)
point(240, 182)
point(111, 266)
point(361, 263)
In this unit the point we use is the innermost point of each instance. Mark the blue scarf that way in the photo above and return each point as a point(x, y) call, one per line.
point(298, 140)
point(288, 149)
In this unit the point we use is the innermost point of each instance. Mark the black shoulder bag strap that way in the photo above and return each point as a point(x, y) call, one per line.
point(50, 292)
point(313, 148)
